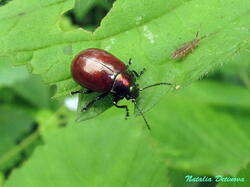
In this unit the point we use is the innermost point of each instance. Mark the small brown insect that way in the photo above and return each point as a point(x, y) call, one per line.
point(187, 47)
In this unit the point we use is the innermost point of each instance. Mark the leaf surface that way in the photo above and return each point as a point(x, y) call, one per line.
point(14, 123)
point(242, 178)
point(197, 136)
point(96, 158)
point(9, 74)
point(148, 33)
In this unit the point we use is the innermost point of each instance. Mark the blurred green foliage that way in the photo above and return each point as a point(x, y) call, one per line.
point(199, 130)
point(88, 14)
point(146, 24)
point(3, 2)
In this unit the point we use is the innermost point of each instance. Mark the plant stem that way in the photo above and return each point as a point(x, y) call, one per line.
point(17, 149)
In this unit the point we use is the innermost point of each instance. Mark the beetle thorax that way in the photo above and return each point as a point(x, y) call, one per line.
point(123, 86)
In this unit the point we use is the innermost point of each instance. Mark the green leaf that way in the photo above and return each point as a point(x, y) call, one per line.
point(96, 158)
point(150, 33)
point(34, 91)
point(17, 80)
point(1, 179)
point(14, 123)
point(194, 136)
point(94, 110)
point(177, 178)
point(240, 67)
point(242, 175)
point(10, 74)
point(50, 121)
point(213, 93)
point(83, 6)
point(3, 2)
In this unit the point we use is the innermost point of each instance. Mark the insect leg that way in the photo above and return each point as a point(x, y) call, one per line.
point(129, 61)
point(88, 105)
point(137, 75)
point(122, 106)
point(81, 92)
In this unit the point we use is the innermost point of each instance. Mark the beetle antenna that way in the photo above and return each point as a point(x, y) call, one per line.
point(157, 84)
point(141, 114)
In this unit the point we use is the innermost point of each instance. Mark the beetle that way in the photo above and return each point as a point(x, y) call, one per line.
point(99, 71)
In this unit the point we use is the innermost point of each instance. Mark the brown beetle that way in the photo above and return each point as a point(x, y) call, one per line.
point(101, 72)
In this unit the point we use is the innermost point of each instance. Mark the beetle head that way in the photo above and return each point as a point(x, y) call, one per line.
point(133, 92)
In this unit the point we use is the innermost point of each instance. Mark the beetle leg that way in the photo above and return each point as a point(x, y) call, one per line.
point(129, 61)
point(122, 106)
point(142, 71)
point(88, 105)
point(81, 92)
point(137, 75)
